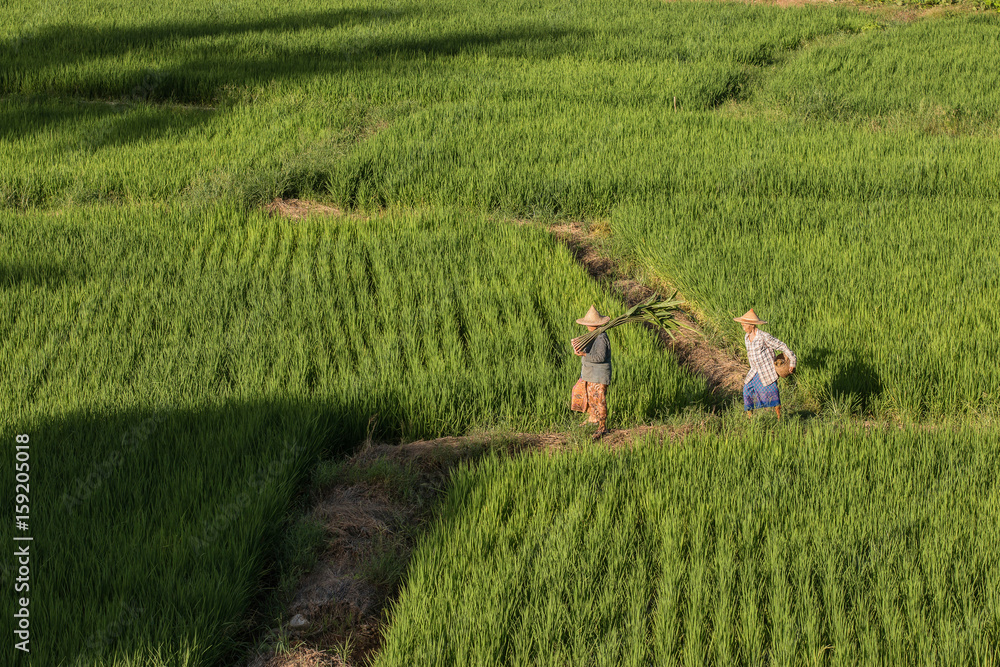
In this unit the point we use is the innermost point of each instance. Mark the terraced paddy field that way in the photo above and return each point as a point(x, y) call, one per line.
point(180, 373)
point(181, 360)
point(823, 141)
point(746, 546)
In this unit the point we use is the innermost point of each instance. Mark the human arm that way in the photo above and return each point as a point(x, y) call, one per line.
point(775, 344)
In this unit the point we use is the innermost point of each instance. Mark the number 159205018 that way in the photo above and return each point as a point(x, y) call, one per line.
point(22, 477)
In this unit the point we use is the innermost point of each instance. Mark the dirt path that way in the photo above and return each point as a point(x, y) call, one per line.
point(337, 615)
point(372, 517)
point(297, 209)
point(901, 13)
point(723, 370)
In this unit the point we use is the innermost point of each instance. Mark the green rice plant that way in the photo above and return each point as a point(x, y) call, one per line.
point(256, 102)
point(179, 370)
point(570, 113)
point(934, 74)
point(873, 305)
point(181, 359)
point(804, 544)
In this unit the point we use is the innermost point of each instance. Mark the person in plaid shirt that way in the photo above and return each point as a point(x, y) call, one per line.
point(760, 387)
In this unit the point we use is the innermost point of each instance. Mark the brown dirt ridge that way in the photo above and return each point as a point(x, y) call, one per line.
point(723, 371)
point(903, 13)
point(337, 615)
point(297, 209)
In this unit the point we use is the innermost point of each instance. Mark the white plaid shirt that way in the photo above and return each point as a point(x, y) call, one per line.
point(760, 353)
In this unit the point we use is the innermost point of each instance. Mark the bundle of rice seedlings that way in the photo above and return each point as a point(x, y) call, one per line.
point(658, 313)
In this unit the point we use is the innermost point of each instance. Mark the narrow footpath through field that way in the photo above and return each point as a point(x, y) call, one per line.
point(337, 614)
point(723, 370)
point(383, 497)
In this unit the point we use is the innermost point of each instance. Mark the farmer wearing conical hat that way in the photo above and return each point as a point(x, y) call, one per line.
point(596, 370)
point(760, 387)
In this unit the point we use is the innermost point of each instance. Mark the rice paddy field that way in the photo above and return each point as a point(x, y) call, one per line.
point(706, 133)
point(191, 367)
point(758, 547)
point(182, 360)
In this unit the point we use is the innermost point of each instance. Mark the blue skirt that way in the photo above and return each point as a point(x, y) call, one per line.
point(756, 395)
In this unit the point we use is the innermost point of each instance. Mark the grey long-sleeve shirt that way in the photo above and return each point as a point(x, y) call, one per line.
point(597, 361)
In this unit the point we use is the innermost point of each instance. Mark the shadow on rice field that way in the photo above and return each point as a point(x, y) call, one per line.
point(195, 63)
point(182, 364)
point(179, 370)
point(48, 275)
point(184, 533)
point(149, 524)
point(169, 536)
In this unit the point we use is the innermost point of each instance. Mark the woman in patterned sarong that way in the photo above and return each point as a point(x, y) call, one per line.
point(596, 371)
point(760, 387)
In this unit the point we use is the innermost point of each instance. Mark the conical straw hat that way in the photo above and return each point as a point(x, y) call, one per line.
point(593, 318)
point(749, 317)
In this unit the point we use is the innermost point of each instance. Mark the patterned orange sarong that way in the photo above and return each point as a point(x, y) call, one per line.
point(578, 397)
point(591, 397)
point(597, 395)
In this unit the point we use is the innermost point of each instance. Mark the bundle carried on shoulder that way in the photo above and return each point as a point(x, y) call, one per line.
point(660, 314)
